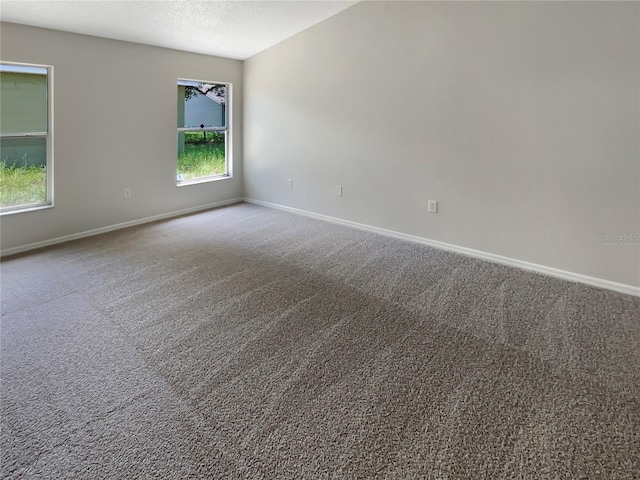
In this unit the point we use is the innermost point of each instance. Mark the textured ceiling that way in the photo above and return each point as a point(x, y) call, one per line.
point(234, 29)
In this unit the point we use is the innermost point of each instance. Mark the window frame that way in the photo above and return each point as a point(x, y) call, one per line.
point(227, 130)
point(48, 135)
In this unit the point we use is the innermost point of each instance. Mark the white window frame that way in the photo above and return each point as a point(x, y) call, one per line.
point(228, 163)
point(48, 135)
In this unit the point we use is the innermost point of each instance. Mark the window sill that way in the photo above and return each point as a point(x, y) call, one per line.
point(31, 208)
point(195, 181)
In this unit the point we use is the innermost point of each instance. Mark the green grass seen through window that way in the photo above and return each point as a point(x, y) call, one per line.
point(22, 185)
point(203, 156)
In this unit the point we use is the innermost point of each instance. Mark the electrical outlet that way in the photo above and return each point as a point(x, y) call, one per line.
point(433, 206)
point(338, 191)
point(127, 193)
point(290, 182)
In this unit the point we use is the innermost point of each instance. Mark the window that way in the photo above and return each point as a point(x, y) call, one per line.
point(25, 137)
point(203, 131)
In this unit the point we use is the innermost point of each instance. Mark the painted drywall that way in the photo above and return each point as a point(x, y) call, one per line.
point(520, 118)
point(115, 116)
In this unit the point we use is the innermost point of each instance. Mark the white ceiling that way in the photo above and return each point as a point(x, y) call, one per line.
point(227, 28)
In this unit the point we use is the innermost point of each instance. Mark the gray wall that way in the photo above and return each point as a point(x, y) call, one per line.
point(520, 118)
point(111, 135)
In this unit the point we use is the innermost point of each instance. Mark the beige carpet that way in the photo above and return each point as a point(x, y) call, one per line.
point(249, 343)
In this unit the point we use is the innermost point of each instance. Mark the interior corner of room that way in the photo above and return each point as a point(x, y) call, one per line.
point(519, 120)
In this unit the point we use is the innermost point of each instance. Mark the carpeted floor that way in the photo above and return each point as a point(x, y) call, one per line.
point(249, 343)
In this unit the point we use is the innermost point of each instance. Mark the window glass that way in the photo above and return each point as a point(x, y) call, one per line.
point(24, 136)
point(203, 135)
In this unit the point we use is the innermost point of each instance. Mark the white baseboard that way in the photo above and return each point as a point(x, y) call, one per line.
point(110, 228)
point(510, 262)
